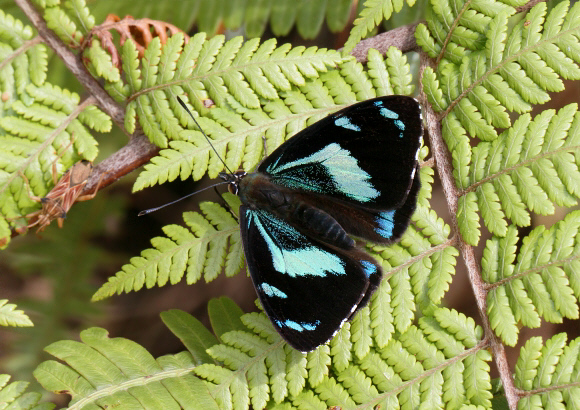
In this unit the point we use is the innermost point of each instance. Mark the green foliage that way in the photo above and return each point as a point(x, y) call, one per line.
point(542, 282)
point(38, 124)
point(14, 396)
point(528, 167)
point(490, 67)
point(487, 71)
point(549, 372)
point(212, 241)
point(11, 317)
point(214, 69)
point(253, 16)
point(439, 360)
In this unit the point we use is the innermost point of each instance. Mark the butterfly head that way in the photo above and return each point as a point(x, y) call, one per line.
point(233, 180)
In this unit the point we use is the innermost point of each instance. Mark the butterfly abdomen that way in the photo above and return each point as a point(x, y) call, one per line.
point(258, 192)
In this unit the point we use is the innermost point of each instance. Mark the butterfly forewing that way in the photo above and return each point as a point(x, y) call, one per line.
point(365, 154)
point(307, 288)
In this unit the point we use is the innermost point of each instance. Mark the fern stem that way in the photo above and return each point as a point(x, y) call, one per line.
point(528, 5)
point(445, 171)
point(566, 386)
point(22, 49)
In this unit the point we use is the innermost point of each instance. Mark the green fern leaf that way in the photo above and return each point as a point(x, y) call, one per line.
point(121, 370)
point(505, 70)
point(547, 372)
point(14, 395)
point(39, 122)
point(191, 332)
point(258, 369)
point(65, 28)
point(529, 167)
point(9, 316)
point(222, 71)
point(538, 284)
point(181, 253)
point(225, 316)
point(101, 62)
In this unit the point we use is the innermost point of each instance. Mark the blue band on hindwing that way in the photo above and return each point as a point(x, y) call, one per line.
point(292, 254)
point(369, 268)
point(338, 170)
point(386, 222)
point(299, 327)
point(272, 291)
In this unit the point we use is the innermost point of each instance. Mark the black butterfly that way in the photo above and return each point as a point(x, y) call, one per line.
point(354, 173)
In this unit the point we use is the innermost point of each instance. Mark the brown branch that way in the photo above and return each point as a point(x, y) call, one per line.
point(402, 37)
point(138, 151)
point(528, 5)
point(445, 170)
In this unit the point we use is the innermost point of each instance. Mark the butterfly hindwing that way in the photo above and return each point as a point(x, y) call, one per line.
point(307, 288)
point(365, 154)
point(374, 225)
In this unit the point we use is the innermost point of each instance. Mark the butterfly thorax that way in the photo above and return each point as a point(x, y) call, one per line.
point(257, 191)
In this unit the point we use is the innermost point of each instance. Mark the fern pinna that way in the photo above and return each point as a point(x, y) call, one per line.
point(483, 65)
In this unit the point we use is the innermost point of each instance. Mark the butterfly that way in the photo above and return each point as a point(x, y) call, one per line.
point(353, 174)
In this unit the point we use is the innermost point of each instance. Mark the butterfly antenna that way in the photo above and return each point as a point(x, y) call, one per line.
point(206, 137)
point(148, 211)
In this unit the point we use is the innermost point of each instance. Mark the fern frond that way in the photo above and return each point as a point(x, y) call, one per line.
point(215, 68)
point(239, 133)
point(13, 395)
point(474, 91)
point(548, 374)
point(509, 71)
point(38, 123)
point(103, 371)
point(382, 376)
point(456, 29)
point(24, 61)
point(529, 167)
point(542, 283)
point(35, 138)
point(9, 316)
point(198, 252)
point(70, 21)
point(428, 363)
